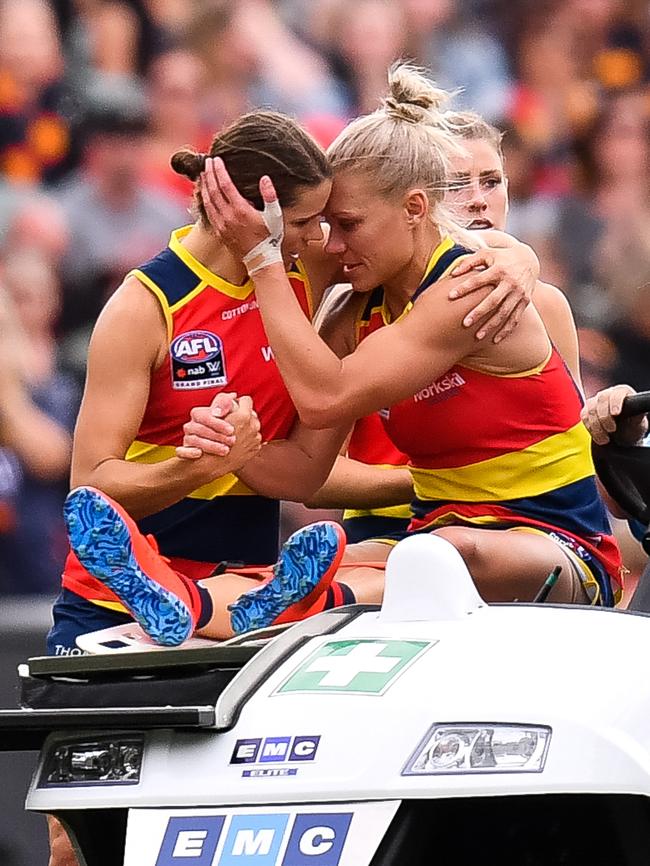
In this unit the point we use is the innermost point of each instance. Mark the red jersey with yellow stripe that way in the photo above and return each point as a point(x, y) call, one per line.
point(503, 450)
point(369, 442)
point(217, 342)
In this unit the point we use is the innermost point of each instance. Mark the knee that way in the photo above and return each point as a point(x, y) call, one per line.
point(465, 541)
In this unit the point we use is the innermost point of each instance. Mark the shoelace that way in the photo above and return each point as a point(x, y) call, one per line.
point(152, 541)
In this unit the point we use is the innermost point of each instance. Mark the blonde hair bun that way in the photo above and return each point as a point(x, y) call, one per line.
point(412, 96)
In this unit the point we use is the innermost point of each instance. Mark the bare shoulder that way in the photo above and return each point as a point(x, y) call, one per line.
point(133, 298)
point(337, 317)
point(131, 322)
point(555, 310)
point(550, 299)
point(322, 269)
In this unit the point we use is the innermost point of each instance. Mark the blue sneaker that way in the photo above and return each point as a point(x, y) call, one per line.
point(305, 569)
point(109, 545)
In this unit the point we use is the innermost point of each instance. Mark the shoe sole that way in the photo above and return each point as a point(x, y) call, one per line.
point(302, 565)
point(102, 542)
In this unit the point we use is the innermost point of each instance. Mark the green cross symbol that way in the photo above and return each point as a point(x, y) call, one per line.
point(354, 666)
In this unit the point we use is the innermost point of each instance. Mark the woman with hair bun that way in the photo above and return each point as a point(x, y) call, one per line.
point(179, 341)
point(476, 195)
point(183, 332)
point(492, 430)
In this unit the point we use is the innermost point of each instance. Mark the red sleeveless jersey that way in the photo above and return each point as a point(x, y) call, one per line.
point(217, 343)
point(370, 442)
point(502, 450)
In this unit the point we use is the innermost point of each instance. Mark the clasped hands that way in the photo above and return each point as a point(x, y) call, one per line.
point(228, 427)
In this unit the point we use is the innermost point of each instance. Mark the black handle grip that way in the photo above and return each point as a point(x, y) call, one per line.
point(636, 404)
point(624, 470)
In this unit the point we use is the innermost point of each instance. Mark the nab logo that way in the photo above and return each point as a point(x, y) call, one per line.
point(275, 750)
point(256, 840)
point(196, 346)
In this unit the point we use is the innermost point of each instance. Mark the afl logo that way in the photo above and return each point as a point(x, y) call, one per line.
point(197, 360)
point(196, 346)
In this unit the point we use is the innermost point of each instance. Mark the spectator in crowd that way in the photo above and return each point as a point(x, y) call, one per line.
point(115, 220)
point(551, 103)
point(35, 141)
point(176, 88)
point(611, 42)
point(622, 161)
point(109, 45)
point(368, 36)
point(38, 406)
point(603, 224)
point(458, 44)
point(38, 223)
point(252, 58)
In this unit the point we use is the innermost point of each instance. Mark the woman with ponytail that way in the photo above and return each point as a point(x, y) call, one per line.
point(492, 429)
point(180, 341)
point(476, 195)
point(183, 333)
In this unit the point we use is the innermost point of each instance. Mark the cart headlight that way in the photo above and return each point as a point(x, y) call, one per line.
point(480, 748)
point(96, 761)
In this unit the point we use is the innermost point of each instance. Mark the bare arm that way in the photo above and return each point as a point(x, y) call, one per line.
point(352, 484)
point(294, 468)
point(40, 442)
point(329, 390)
point(128, 343)
point(554, 308)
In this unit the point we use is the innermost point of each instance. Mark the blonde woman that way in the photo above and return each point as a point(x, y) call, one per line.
point(492, 430)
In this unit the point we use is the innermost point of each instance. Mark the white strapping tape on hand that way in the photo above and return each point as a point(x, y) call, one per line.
point(268, 251)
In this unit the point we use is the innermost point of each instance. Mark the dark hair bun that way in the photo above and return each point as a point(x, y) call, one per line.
point(188, 163)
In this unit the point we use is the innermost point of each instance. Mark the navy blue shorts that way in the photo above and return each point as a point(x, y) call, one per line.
point(374, 527)
point(74, 615)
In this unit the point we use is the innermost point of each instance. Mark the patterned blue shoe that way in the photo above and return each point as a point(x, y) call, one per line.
point(307, 564)
point(110, 546)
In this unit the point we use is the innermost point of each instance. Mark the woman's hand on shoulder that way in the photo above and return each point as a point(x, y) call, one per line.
point(512, 269)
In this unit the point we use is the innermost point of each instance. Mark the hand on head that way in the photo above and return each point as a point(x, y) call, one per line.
point(255, 236)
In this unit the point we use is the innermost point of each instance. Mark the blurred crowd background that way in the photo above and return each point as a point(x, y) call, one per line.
point(96, 94)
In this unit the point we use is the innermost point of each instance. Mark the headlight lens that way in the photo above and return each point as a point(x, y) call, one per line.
point(480, 748)
point(96, 761)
